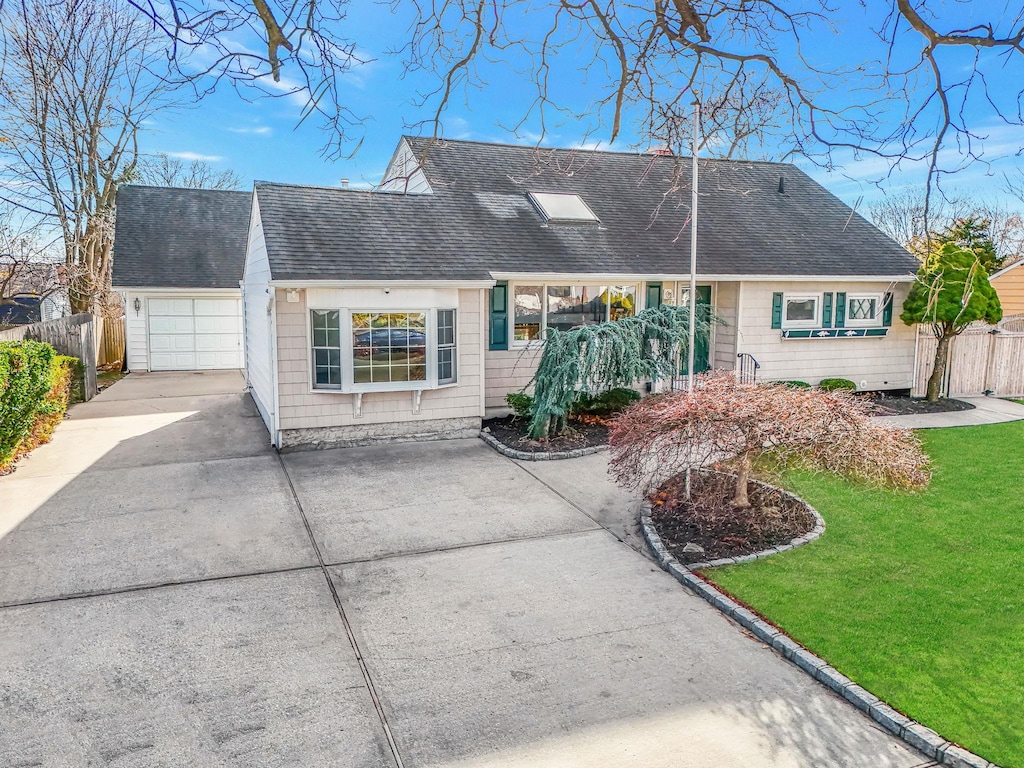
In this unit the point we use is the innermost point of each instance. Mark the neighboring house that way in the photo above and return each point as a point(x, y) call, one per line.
point(1009, 285)
point(410, 312)
point(178, 256)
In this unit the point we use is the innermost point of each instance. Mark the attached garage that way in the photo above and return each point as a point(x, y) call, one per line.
point(178, 260)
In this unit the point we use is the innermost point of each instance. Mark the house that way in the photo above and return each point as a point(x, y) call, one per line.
point(178, 258)
point(1009, 285)
point(410, 312)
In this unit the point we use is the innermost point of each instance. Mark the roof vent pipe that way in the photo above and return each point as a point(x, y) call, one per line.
point(782, 185)
point(344, 183)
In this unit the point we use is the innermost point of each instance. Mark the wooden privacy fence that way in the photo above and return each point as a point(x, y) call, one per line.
point(110, 348)
point(75, 336)
point(984, 359)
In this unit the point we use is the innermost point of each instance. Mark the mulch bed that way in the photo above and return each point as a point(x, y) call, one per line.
point(884, 404)
point(709, 522)
point(511, 431)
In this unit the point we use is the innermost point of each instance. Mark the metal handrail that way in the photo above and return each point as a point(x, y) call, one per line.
point(748, 367)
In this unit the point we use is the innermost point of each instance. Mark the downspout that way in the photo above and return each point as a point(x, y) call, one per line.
point(276, 418)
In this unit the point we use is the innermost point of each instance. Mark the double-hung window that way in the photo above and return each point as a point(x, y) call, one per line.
point(446, 357)
point(364, 351)
point(326, 327)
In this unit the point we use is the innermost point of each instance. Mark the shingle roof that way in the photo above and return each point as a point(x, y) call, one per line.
point(479, 220)
point(167, 237)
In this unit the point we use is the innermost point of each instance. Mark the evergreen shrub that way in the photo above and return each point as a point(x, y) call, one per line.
point(35, 384)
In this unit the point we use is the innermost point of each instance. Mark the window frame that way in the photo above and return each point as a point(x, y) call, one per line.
point(875, 322)
point(313, 350)
point(514, 343)
point(814, 322)
point(454, 347)
point(348, 383)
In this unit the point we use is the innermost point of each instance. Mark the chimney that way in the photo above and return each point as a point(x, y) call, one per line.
point(662, 150)
point(344, 183)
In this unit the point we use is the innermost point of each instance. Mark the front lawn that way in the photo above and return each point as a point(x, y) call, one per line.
point(919, 598)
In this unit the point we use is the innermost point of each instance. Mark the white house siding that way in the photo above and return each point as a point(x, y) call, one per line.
point(723, 355)
point(308, 417)
point(507, 371)
point(256, 305)
point(137, 331)
point(872, 363)
point(404, 174)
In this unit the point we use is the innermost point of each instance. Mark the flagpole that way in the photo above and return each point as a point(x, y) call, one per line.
point(693, 248)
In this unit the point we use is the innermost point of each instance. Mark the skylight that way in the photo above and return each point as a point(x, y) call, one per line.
point(562, 208)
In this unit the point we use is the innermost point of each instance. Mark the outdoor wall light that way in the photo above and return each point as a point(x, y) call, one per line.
point(138, 305)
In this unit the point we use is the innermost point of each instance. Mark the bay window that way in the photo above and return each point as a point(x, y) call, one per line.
point(326, 327)
point(365, 351)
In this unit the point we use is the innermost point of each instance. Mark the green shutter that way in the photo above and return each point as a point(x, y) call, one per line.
point(826, 310)
point(653, 295)
point(887, 310)
point(840, 310)
point(499, 316)
point(776, 310)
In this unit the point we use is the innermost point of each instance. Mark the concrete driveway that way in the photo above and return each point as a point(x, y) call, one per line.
point(173, 593)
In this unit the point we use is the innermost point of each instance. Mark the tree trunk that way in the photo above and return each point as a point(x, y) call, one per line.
point(741, 500)
point(939, 368)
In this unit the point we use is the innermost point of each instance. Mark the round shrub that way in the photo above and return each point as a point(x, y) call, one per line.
point(605, 404)
point(830, 385)
point(795, 384)
point(520, 403)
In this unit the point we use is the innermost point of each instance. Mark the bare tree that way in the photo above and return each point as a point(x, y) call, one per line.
point(162, 170)
point(28, 264)
point(78, 78)
point(298, 48)
point(904, 217)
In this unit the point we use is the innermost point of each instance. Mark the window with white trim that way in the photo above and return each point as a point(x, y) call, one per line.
point(802, 311)
point(864, 309)
point(446, 358)
point(536, 308)
point(326, 329)
point(386, 350)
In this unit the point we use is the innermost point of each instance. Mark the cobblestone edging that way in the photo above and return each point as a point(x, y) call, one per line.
point(912, 732)
point(512, 453)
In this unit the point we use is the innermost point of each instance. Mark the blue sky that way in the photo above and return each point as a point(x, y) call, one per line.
point(260, 139)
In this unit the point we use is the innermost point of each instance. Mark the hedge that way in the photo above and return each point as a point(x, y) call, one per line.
point(35, 383)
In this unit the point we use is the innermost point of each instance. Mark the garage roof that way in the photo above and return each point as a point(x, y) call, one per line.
point(166, 237)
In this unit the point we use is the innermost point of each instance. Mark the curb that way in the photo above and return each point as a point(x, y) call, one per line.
point(512, 453)
point(918, 736)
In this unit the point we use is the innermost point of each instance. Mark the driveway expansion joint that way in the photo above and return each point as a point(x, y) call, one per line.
point(918, 736)
point(371, 688)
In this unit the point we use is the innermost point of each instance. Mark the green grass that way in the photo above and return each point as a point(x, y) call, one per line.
point(917, 597)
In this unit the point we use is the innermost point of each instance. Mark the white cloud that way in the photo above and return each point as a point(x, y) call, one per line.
point(256, 130)
point(195, 156)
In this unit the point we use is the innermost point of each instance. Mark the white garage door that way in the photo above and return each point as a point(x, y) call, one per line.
point(194, 334)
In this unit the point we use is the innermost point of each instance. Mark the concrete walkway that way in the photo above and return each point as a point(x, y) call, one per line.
point(987, 410)
point(172, 592)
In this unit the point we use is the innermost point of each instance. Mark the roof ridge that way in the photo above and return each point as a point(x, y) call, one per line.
point(183, 189)
point(361, 190)
point(635, 153)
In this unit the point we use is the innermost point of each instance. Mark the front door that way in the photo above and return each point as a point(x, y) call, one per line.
point(702, 349)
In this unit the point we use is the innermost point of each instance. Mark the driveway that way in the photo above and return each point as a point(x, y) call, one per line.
point(172, 592)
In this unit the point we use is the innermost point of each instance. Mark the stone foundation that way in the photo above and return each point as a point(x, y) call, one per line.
point(316, 438)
